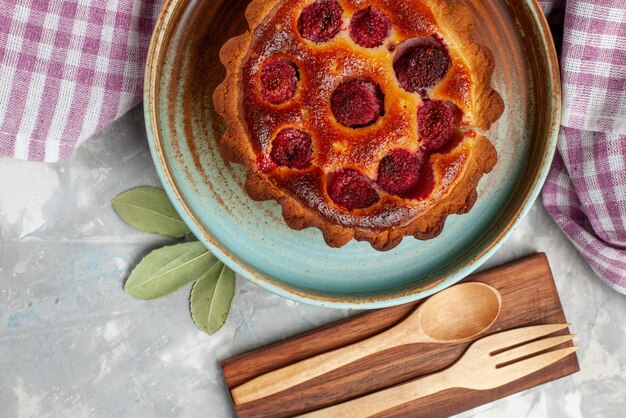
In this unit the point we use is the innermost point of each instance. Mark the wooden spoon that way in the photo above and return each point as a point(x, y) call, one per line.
point(456, 314)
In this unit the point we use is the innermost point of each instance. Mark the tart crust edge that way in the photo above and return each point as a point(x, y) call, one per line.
point(456, 22)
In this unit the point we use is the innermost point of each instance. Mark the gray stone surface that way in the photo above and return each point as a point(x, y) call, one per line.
point(72, 344)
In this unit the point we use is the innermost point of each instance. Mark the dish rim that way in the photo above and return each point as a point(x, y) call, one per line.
point(155, 56)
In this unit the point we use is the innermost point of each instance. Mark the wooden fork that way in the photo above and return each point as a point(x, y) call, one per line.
point(488, 363)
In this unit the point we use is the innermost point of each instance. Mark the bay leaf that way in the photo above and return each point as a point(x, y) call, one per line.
point(150, 210)
point(164, 270)
point(211, 297)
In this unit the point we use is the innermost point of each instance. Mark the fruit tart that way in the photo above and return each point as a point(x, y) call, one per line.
point(361, 118)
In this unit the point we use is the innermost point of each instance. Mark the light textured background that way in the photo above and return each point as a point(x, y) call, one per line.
point(72, 344)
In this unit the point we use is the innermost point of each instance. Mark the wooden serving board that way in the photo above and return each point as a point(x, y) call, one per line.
point(529, 297)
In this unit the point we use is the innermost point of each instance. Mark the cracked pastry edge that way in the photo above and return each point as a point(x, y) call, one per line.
point(455, 22)
point(460, 199)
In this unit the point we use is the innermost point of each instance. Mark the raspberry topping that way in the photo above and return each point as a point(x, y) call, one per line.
point(357, 103)
point(292, 148)
point(421, 65)
point(369, 27)
point(435, 124)
point(352, 190)
point(398, 172)
point(278, 81)
point(320, 21)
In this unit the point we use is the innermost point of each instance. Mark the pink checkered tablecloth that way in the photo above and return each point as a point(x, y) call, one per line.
point(586, 189)
point(69, 68)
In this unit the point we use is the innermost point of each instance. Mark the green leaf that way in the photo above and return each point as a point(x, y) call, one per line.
point(210, 298)
point(149, 210)
point(164, 270)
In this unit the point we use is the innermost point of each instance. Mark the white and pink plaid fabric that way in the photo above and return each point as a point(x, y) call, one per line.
point(586, 189)
point(68, 68)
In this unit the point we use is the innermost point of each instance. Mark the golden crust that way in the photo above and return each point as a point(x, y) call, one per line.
point(455, 23)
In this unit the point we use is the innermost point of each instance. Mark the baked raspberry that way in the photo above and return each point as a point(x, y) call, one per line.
point(278, 81)
point(320, 21)
point(357, 103)
point(398, 172)
point(369, 27)
point(292, 148)
point(352, 190)
point(420, 64)
point(435, 124)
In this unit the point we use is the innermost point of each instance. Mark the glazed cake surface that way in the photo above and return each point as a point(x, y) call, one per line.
point(361, 118)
